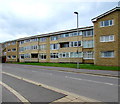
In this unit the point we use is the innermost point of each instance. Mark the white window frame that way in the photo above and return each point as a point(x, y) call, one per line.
point(9, 50)
point(88, 54)
point(8, 57)
point(53, 38)
point(22, 55)
point(105, 37)
point(42, 47)
point(43, 54)
point(102, 23)
point(88, 44)
point(73, 42)
point(8, 44)
point(13, 57)
point(64, 55)
point(43, 39)
point(34, 47)
point(54, 54)
point(13, 49)
point(76, 55)
point(103, 53)
point(54, 46)
point(13, 43)
point(27, 55)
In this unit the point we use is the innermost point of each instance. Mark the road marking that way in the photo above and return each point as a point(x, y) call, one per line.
point(70, 96)
point(91, 81)
point(43, 72)
point(83, 73)
point(19, 96)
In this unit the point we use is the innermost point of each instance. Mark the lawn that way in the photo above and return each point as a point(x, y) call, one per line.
point(72, 65)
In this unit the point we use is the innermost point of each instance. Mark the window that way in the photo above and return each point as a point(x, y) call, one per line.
point(43, 47)
point(21, 42)
point(14, 49)
point(4, 53)
point(21, 49)
point(64, 45)
point(8, 44)
point(54, 38)
point(75, 44)
point(34, 55)
point(26, 55)
point(106, 23)
point(21, 56)
point(107, 54)
point(34, 39)
point(76, 54)
point(13, 56)
point(42, 39)
point(54, 55)
point(27, 48)
point(13, 43)
point(34, 47)
point(88, 44)
point(42, 56)
point(64, 35)
point(88, 33)
point(25, 41)
point(88, 55)
point(9, 50)
point(108, 38)
point(64, 55)
point(54, 46)
point(75, 33)
point(8, 57)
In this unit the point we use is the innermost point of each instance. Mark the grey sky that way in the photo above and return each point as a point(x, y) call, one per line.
point(22, 18)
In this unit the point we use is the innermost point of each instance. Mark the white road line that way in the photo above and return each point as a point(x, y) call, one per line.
point(22, 99)
point(89, 74)
point(43, 72)
point(91, 81)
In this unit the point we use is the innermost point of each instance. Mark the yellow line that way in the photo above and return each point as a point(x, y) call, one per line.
point(22, 99)
point(70, 96)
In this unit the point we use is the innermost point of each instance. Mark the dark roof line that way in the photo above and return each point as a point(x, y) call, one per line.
point(106, 13)
point(52, 33)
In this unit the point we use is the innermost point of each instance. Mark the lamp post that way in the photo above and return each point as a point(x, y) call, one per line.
point(77, 35)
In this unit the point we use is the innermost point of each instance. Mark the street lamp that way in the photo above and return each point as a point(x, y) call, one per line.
point(77, 35)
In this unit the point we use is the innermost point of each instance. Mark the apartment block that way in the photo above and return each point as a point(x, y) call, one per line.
point(107, 38)
point(98, 44)
point(62, 46)
point(10, 51)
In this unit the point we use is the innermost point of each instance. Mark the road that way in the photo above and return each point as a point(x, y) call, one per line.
point(102, 88)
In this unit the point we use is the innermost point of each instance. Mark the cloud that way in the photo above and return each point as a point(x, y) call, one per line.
point(21, 18)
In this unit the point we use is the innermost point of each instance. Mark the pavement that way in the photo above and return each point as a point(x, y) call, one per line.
point(78, 87)
point(33, 93)
point(84, 71)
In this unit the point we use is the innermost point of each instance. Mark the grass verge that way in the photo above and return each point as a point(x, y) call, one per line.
point(72, 65)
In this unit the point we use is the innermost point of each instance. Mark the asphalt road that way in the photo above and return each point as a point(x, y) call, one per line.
point(7, 96)
point(31, 92)
point(100, 88)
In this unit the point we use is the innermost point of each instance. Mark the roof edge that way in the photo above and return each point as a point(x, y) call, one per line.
point(106, 13)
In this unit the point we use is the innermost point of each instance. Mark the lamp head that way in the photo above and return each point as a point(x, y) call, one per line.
point(76, 12)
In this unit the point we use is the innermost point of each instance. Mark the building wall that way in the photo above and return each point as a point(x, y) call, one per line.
point(47, 51)
point(12, 53)
point(106, 46)
point(118, 38)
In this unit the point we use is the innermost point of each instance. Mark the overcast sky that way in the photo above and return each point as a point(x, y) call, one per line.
point(23, 18)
